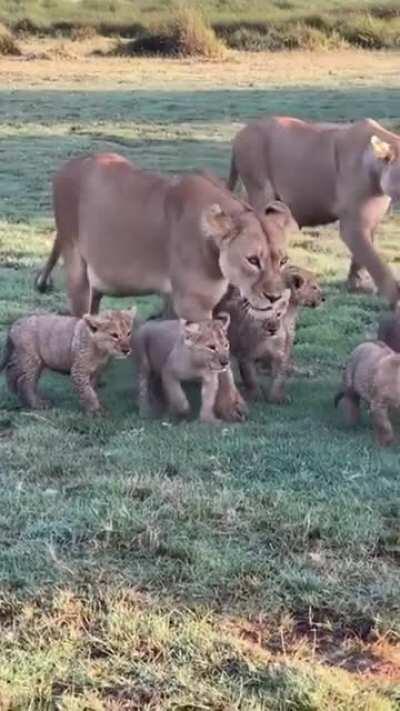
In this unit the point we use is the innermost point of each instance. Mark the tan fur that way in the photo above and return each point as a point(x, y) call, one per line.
point(270, 341)
point(125, 231)
point(326, 172)
point(372, 374)
point(169, 352)
point(80, 347)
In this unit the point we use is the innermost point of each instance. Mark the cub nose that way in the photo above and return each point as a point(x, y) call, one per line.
point(224, 360)
point(126, 350)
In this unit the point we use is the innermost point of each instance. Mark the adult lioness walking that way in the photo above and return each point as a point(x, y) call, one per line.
point(325, 172)
point(124, 231)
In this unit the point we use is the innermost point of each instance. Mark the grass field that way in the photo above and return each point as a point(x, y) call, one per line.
point(155, 566)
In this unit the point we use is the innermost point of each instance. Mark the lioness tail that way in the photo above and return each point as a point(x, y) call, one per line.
point(43, 280)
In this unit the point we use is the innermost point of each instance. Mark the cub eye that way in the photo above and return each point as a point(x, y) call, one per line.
point(115, 335)
point(254, 261)
point(284, 261)
point(212, 347)
point(128, 333)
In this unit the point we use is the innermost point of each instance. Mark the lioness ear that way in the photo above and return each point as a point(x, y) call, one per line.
point(225, 319)
point(381, 149)
point(92, 322)
point(279, 214)
point(216, 223)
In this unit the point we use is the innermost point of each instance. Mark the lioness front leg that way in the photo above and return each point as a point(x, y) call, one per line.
point(176, 399)
point(87, 395)
point(229, 405)
point(209, 389)
point(381, 424)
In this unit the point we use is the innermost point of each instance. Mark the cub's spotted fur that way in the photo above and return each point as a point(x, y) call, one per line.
point(80, 347)
point(372, 374)
point(169, 352)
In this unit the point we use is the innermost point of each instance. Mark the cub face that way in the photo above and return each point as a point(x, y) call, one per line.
point(112, 331)
point(303, 285)
point(207, 342)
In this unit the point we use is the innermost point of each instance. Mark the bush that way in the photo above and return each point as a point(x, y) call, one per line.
point(186, 34)
point(8, 45)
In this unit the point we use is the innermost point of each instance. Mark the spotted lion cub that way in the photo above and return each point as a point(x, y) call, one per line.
point(79, 347)
point(172, 351)
point(372, 374)
point(268, 339)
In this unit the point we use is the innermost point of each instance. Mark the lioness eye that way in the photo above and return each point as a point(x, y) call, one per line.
point(284, 260)
point(211, 347)
point(254, 261)
point(114, 335)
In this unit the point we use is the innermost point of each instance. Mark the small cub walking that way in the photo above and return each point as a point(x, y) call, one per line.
point(79, 347)
point(168, 352)
point(372, 374)
point(269, 340)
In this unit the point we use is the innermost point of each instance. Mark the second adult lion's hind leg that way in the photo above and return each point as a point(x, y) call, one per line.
point(77, 282)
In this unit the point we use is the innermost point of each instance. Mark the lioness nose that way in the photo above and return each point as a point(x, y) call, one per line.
point(272, 297)
point(125, 350)
point(224, 360)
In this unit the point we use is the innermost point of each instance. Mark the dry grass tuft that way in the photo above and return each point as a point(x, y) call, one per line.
point(8, 45)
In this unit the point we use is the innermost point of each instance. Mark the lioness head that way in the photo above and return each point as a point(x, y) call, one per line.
point(112, 331)
point(305, 290)
point(387, 160)
point(251, 250)
point(207, 342)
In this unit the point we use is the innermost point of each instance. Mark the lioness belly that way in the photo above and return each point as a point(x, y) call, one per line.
point(128, 283)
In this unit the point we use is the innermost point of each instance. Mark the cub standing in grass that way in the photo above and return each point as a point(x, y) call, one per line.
point(168, 352)
point(80, 347)
point(372, 374)
point(269, 340)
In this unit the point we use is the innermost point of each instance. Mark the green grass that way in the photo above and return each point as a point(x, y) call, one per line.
point(152, 565)
point(243, 24)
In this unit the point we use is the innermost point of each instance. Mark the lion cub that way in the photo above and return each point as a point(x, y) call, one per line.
point(80, 347)
point(169, 352)
point(372, 374)
point(269, 340)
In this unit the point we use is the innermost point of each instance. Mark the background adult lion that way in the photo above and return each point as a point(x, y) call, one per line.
point(325, 172)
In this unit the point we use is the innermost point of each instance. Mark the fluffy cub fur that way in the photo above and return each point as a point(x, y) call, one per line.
point(79, 347)
point(172, 351)
point(372, 374)
point(269, 340)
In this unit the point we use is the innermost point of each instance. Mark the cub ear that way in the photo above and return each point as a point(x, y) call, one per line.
point(131, 313)
point(279, 214)
point(225, 319)
point(215, 223)
point(381, 149)
point(92, 322)
point(190, 328)
point(297, 281)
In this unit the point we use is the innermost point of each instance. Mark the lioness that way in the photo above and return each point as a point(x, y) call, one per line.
point(372, 374)
point(325, 172)
point(81, 347)
point(168, 352)
point(269, 342)
point(125, 231)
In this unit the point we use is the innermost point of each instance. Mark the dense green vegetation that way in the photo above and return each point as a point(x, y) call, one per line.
point(243, 24)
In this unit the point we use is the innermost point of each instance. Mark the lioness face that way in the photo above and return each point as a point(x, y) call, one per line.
point(207, 342)
point(252, 249)
point(304, 286)
point(387, 156)
point(112, 331)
